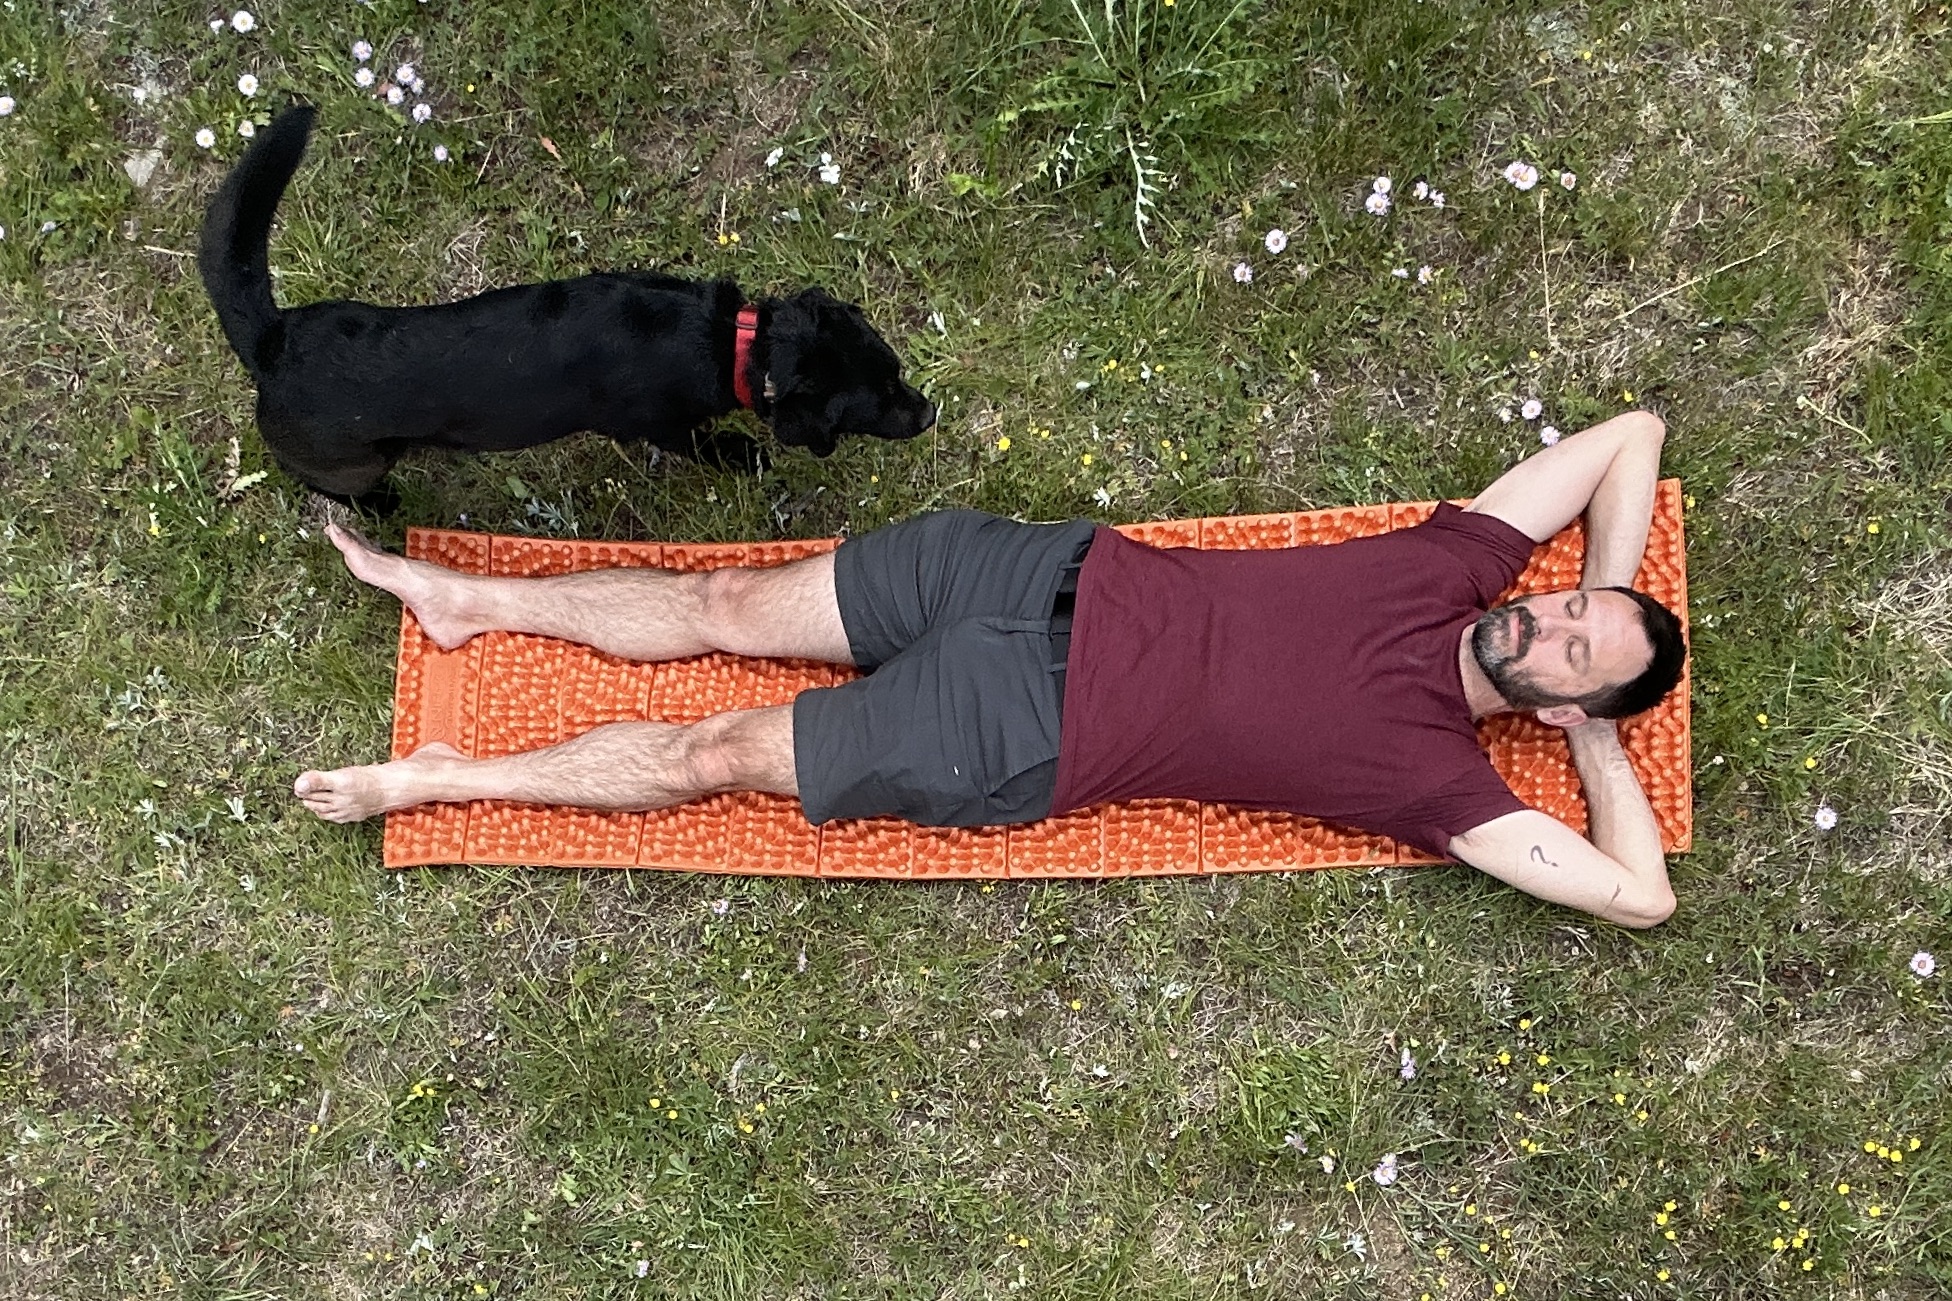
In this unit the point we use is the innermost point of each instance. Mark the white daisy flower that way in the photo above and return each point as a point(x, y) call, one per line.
point(247, 128)
point(1826, 817)
point(363, 78)
point(829, 170)
point(1377, 203)
point(1504, 414)
point(419, 86)
point(1408, 1070)
point(421, 112)
point(206, 138)
point(1425, 275)
point(216, 24)
point(440, 153)
point(6, 105)
point(362, 51)
point(1385, 1172)
point(1243, 274)
point(1567, 180)
point(1419, 191)
point(1531, 408)
point(395, 96)
point(1436, 198)
point(247, 85)
point(1522, 175)
point(1923, 964)
point(241, 21)
point(1276, 240)
point(1401, 273)
point(1549, 436)
point(772, 159)
point(404, 74)
point(1380, 185)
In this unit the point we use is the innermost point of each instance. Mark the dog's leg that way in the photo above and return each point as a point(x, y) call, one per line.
point(727, 449)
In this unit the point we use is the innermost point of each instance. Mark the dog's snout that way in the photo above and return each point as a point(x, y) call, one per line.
point(928, 417)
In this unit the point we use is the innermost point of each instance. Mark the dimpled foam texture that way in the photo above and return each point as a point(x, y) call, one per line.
point(505, 692)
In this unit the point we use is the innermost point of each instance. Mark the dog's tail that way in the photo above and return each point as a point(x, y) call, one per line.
point(234, 258)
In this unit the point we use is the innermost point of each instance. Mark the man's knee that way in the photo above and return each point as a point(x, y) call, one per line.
point(738, 751)
point(726, 600)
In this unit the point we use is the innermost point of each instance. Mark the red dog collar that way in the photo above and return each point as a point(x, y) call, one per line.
point(742, 354)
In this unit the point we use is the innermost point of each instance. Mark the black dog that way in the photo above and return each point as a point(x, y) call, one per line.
point(345, 388)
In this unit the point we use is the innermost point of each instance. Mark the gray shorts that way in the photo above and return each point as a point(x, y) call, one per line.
point(956, 722)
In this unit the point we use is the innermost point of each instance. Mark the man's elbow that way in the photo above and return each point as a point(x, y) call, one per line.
point(1644, 911)
point(1648, 426)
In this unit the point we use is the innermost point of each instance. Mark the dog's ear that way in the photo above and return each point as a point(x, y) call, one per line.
point(809, 420)
point(801, 372)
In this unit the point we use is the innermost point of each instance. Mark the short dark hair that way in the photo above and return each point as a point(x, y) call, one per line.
point(1657, 679)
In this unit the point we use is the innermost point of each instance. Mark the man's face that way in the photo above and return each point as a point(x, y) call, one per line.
point(1561, 646)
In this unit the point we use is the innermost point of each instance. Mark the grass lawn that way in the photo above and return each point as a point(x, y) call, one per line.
point(239, 1060)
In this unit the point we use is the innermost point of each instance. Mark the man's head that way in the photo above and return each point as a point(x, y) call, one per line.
point(1607, 652)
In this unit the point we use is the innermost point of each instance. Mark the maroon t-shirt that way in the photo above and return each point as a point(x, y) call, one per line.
point(1318, 680)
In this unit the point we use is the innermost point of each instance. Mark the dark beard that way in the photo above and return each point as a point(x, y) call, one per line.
point(1517, 689)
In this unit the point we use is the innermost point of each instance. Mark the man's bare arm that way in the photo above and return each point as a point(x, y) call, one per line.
point(1609, 473)
point(1548, 859)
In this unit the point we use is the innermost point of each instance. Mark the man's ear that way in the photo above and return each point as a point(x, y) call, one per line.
point(1562, 715)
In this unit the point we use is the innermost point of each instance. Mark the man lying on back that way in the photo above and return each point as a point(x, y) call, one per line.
point(1013, 671)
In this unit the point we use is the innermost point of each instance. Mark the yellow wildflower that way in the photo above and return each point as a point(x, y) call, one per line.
point(1003, 443)
point(1843, 1189)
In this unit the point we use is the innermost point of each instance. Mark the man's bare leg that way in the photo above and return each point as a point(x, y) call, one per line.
point(618, 766)
point(640, 614)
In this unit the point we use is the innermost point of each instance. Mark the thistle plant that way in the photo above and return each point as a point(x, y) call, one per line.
point(1136, 83)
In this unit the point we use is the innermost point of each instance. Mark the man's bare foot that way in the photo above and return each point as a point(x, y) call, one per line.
point(350, 794)
point(436, 595)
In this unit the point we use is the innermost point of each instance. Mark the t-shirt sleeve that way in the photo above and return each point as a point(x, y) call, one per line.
point(1471, 799)
point(1492, 551)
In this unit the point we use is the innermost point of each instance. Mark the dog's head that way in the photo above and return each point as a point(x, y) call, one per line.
point(830, 374)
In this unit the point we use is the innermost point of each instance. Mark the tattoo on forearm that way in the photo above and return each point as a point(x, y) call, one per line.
point(1538, 856)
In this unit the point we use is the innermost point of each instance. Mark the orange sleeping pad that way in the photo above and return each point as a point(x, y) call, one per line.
point(504, 692)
